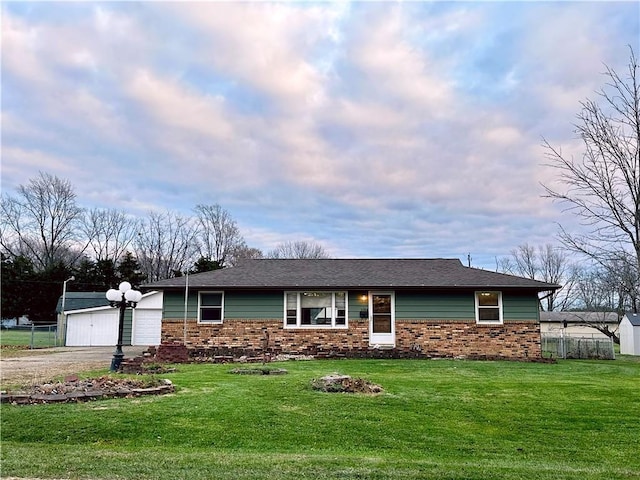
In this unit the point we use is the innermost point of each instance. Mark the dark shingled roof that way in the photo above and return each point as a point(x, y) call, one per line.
point(82, 300)
point(634, 318)
point(433, 273)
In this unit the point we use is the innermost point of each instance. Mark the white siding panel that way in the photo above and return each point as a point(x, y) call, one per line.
point(151, 300)
point(146, 326)
point(629, 338)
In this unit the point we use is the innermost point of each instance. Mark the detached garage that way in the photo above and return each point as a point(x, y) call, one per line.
point(98, 326)
point(92, 328)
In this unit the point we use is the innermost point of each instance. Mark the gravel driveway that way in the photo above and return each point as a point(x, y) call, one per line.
point(33, 366)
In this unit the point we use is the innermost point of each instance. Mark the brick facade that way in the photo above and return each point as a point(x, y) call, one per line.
point(414, 339)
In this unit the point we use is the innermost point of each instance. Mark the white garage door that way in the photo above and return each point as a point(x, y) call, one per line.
point(93, 329)
point(146, 326)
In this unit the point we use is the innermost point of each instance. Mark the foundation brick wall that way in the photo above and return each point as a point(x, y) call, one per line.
point(414, 339)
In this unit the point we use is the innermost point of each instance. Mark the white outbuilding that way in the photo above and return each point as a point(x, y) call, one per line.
point(98, 325)
point(630, 334)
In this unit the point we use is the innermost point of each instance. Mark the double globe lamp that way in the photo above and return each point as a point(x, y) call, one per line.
point(122, 298)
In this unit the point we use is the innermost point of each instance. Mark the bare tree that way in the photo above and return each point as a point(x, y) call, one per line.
point(595, 291)
point(603, 187)
point(600, 297)
point(243, 252)
point(218, 234)
point(298, 249)
point(547, 264)
point(526, 261)
point(166, 245)
point(41, 222)
point(110, 232)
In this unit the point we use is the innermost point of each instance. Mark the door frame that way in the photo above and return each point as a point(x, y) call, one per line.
point(388, 339)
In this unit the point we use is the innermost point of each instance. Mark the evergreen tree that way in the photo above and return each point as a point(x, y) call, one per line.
point(130, 270)
point(16, 275)
point(205, 264)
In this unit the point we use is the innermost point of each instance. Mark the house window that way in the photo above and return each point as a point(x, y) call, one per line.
point(315, 309)
point(210, 305)
point(489, 308)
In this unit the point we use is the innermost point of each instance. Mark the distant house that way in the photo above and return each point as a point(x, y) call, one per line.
point(578, 324)
point(630, 334)
point(89, 320)
point(354, 307)
point(15, 322)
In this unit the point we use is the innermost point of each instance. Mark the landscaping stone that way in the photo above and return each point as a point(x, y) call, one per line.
point(91, 389)
point(337, 383)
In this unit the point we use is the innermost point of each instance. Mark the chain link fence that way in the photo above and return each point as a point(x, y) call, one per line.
point(32, 336)
point(597, 348)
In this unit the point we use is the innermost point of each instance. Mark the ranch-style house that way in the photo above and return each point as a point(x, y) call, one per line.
point(354, 308)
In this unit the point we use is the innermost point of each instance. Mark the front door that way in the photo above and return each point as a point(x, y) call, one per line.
point(382, 329)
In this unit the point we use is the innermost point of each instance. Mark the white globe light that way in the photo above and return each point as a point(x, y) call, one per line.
point(133, 296)
point(113, 295)
point(124, 287)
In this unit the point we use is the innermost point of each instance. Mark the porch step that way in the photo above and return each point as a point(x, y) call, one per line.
point(382, 346)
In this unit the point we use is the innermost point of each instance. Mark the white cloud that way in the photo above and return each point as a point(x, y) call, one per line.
point(396, 70)
point(267, 47)
point(16, 160)
point(21, 45)
point(402, 129)
point(173, 106)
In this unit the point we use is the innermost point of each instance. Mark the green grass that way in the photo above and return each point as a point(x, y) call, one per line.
point(436, 420)
point(41, 338)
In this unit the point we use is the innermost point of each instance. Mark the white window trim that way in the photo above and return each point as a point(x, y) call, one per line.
point(211, 322)
point(478, 307)
point(333, 326)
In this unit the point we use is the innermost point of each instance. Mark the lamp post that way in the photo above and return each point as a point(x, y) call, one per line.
point(122, 298)
point(64, 290)
point(62, 323)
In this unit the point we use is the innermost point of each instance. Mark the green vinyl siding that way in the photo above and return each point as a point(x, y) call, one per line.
point(409, 305)
point(236, 305)
point(173, 306)
point(520, 306)
point(253, 305)
point(127, 327)
point(437, 305)
point(358, 301)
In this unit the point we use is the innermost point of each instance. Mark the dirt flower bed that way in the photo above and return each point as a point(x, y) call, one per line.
point(73, 389)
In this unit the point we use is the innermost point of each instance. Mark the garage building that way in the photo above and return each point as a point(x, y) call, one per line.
point(88, 320)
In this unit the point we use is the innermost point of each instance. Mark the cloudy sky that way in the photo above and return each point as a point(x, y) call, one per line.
point(376, 129)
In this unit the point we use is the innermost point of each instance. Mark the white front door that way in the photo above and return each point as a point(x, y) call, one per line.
point(382, 328)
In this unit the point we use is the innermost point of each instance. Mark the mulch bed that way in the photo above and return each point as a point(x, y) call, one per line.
point(76, 390)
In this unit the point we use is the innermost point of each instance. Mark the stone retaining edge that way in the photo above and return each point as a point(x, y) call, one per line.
point(23, 399)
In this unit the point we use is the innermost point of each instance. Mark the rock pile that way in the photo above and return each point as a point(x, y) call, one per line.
point(75, 390)
point(336, 383)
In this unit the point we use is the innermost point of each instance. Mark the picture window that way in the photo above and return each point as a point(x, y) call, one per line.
point(316, 309)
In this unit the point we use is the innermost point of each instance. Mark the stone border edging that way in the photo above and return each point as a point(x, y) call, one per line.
point(27, 399)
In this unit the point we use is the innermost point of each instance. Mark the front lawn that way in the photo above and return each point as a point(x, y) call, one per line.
point(435, 420)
